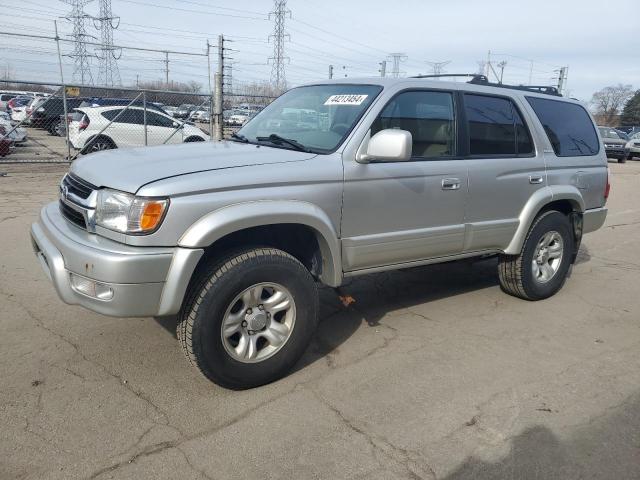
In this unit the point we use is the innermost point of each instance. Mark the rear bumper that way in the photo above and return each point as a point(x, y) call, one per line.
point(593, 219)
point(144, 281)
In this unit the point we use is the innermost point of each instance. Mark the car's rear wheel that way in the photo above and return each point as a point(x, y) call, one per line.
point(249, 317)
point(98, 144)
point(540, 269)
point(194, 139)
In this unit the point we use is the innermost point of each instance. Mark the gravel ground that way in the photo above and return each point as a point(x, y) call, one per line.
point(431, 373)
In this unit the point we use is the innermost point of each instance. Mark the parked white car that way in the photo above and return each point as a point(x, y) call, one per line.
point(18, 135)
point(127, 130)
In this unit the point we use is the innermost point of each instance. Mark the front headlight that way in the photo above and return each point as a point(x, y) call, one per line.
point(129, 214)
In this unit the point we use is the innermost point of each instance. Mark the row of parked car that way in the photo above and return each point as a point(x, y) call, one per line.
point(233, 117)
point(622, 143)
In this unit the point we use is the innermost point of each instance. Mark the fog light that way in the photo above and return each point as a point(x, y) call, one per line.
point(91, 288)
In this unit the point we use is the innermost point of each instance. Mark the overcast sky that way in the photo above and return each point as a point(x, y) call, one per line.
point(354, 36)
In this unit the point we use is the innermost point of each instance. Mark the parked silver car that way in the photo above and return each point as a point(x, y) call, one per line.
point(381, 174)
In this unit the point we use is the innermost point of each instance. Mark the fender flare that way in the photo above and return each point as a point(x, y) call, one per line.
point(240, 216)
point(535, 204)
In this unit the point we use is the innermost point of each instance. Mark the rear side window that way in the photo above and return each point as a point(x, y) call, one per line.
point(495, 127)
point(568, 127)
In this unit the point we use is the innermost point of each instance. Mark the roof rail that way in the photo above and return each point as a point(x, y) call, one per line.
point(479, 79)
point(474, 76)
point(530, 88)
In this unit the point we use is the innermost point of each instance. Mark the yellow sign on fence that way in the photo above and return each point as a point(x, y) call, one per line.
point(73, 91)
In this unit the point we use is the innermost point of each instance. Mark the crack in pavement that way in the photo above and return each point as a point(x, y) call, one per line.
point(403, 460)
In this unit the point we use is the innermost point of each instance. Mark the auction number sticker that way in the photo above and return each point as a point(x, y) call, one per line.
point(346, 99)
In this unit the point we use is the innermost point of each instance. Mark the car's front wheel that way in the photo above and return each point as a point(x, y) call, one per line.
point(540, 269)
point(249, 317)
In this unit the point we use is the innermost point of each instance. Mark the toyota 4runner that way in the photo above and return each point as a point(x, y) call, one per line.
point(330, 181)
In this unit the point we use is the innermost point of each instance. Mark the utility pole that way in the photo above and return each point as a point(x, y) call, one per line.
point(437, 68)
point(106, 22)
point(488, 64)
point(279, 13)
point(383, 68)
point(396, 58)
point(501, 66)
point(562, 78)
point(82, 68)
point(330, 71)
point(166, 70)
point(219, 82)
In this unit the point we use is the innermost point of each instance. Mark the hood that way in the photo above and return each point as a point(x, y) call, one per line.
point(130, 169)
point(614, 141)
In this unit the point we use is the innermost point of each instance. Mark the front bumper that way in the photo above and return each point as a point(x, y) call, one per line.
point(145, 281)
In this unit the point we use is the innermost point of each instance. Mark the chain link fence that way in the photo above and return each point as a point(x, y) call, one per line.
point(57, 123)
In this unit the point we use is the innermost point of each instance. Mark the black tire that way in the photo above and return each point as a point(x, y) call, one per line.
point(622, 159)
point(52, 128)
point(98, 144)
point(194, 139)
point(516, 271)
point(211, 295)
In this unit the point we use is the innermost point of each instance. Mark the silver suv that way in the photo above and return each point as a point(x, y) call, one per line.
point(330, 181)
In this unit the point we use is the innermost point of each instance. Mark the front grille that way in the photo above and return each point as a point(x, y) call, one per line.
point(72, 215)
point(77, 186)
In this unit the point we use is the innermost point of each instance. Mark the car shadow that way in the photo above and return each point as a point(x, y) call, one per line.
point(606, 446)
point(365, 300)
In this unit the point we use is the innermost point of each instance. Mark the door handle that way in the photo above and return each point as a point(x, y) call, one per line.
point(535, 179)
point(450, 184)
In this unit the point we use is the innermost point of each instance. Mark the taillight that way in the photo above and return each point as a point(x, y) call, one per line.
point(84, 123)
point(607, 189)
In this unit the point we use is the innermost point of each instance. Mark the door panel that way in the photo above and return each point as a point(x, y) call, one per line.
point(399, 212)
point(504, 171)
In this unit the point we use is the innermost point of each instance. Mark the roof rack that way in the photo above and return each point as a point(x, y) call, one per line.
point(478, 79)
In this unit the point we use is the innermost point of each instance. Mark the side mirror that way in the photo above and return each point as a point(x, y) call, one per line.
point(390, 145)
point(177, 124)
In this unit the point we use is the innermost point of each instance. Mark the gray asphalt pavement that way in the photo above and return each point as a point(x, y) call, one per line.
point(431, 373)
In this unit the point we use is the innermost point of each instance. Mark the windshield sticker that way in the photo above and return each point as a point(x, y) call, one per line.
point(346, 99)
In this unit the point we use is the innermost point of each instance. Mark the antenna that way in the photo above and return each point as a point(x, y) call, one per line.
point(82, 67)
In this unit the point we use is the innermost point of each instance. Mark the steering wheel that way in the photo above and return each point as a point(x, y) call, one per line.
point(340, 128)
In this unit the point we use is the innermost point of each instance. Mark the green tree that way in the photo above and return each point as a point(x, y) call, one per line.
point(631, 111)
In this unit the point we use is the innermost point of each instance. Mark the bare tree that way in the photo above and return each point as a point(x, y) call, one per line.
point(608, 102)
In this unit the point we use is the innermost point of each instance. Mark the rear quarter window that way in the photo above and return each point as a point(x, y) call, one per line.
point(568, 127)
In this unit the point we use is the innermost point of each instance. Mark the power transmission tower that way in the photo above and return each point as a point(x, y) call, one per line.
point(330, 71)
point(82, 67)
point(396, 58)
point(279, 13)
point(106, 22)
point(437, 68)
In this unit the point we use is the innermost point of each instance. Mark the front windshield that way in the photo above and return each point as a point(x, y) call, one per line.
point(609, 133)
point(317, 117)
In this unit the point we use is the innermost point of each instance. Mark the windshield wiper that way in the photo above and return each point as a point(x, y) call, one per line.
point(239, 137)
point(275, 138)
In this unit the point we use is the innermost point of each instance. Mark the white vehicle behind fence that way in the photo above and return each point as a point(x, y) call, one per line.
point(128, 130)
